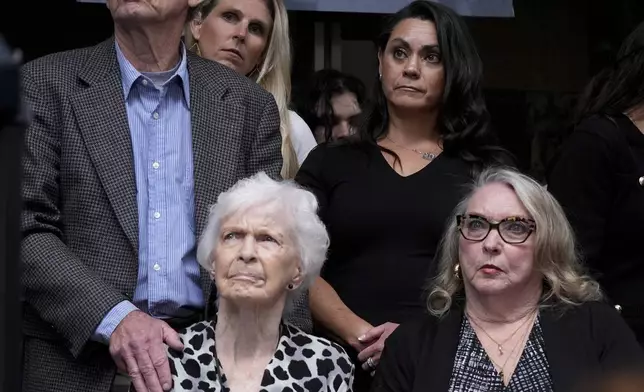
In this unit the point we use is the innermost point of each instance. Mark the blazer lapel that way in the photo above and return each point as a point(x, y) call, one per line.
point(102, 119)
point(217, 131)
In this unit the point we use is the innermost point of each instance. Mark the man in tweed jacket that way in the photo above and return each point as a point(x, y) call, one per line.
point(131, 142)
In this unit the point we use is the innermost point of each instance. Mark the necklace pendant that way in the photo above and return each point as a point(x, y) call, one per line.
point(428, 156)
point(500, 350)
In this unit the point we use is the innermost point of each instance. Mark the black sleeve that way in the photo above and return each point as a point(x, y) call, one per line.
point(397, 368)
point(311, 175)
point(582, 182)
point(618, 347)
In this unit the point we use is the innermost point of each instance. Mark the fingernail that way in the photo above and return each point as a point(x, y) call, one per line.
point(166, 387)
point(361, 338)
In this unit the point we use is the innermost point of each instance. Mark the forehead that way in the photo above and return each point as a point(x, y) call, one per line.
point(271, 215)
point(496, 201)
point(345, 104)
point(252, 9)
point(416, 32)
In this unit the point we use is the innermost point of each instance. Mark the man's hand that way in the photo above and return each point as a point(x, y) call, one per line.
point(374, 340)
point(137, 348)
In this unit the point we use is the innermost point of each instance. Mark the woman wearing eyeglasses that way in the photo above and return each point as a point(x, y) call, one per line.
point(511, 308)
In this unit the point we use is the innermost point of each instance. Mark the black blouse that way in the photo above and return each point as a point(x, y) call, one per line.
point(599, 181)
point(384, 227)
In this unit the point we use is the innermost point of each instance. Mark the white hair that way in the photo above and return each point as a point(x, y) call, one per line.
point(300, 207)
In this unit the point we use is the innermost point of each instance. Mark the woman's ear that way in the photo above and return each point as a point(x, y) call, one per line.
point(380, 63)
point(297, 278)
point(195, 28)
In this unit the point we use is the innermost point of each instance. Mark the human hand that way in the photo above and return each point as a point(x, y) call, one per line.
point(137, 347)
point(374, 341)
point(360, 330)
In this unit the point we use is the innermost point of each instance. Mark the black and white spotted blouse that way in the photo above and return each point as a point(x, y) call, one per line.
point(473, 370)
point(301, 362)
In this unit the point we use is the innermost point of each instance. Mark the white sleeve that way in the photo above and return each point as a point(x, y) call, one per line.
point(301, 137)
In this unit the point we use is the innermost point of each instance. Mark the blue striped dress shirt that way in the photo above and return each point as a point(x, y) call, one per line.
point(158, 111)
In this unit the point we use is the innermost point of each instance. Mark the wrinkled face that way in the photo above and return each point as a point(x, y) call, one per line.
point(235, 33)
point(411, 66)
point(492, 266)
point(135, 12)
point(255, 258)
point(346, 112)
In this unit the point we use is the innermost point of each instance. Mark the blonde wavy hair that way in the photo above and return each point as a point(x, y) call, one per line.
point(273, 73)
point(555, 256)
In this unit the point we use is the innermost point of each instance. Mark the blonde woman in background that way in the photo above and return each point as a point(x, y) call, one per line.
point(252, 38)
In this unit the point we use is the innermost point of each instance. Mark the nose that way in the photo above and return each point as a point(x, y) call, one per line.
point(241, 32)
point(492, 243)
point(342, 130)
point(248, 252)
point(411, 68)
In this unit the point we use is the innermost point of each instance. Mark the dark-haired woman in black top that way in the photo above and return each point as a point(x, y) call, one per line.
point(386, 196)
point(599, 179)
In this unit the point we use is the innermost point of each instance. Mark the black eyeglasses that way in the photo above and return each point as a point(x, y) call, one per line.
point(512, 230)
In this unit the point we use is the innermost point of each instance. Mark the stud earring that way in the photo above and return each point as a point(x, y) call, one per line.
point(290, 286)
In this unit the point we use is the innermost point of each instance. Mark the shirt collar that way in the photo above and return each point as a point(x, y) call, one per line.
point(129, 74)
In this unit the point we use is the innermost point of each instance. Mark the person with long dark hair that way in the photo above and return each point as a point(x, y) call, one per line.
point(385, 197)
point(332, 106)
point(599, 179)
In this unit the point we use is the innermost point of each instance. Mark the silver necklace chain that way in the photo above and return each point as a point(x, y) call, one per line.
point(425, 155)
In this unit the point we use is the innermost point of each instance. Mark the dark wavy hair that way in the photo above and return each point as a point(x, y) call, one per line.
point(463, 121)
point(618, 87)
point(316, 108)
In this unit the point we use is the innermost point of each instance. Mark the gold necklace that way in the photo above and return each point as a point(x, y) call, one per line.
point(498, 345)
point(502, 368)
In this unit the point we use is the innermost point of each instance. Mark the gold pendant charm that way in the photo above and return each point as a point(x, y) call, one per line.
point(500, 350)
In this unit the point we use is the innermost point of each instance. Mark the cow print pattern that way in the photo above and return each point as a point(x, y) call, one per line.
point(301, 363)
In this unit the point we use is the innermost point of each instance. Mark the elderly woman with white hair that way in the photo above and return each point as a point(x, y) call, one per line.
point(511, 308)
point(263, 244)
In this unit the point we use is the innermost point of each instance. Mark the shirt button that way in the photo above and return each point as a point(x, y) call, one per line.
point(641, 181)
point(155, 115)
point(157, 215)
point(157, 267)
point(155, 165)
point(145, 82)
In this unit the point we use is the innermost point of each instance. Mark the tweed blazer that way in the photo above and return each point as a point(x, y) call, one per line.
point(80, 226)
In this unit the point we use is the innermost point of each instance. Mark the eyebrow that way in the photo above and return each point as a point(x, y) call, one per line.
point(239, 12)
point(479, 215)
point(405, 44)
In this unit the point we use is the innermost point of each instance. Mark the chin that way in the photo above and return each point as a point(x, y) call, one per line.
point(490, 287)
point(410, 103)
point(133, 12)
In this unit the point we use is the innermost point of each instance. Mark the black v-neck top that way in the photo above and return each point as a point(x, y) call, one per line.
point(384, 227)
